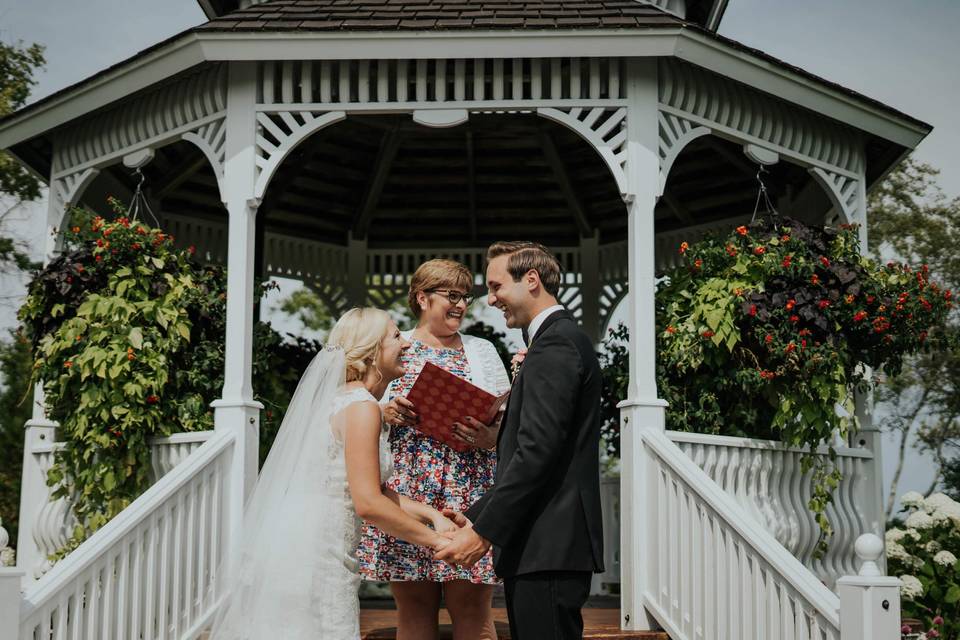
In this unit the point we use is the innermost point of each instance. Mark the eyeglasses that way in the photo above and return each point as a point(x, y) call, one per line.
point(454, 296)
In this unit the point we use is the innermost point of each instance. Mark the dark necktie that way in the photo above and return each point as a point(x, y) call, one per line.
point(526, 337)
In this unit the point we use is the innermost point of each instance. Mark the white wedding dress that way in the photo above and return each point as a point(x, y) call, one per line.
point(294, 574)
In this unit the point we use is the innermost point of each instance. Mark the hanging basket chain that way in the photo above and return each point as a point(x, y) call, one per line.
point(139, 200)
point(763, 195)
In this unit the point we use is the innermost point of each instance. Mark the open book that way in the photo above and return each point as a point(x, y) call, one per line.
point(442, 398)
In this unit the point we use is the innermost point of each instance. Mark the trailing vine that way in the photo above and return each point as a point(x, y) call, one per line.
point(128, 336)
point(769, 331)
point(764, 333)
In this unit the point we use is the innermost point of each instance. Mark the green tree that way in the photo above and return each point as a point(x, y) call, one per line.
point(912, 219)
point(15, 364)
point(18, 63)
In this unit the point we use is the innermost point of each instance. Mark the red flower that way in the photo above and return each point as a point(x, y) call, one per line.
point(859, 315)
point(850, 298)
point(768, 339)
point(79, 268)
point(98, 258)
point(75, 229)
point(824, 261)
point(152, 399)
point(683, 247)
point(823, 304)
point(753, 310)
point(947, 294)
point(742, 230)
point(786, 261)
point(922, 336)
point(791, 303)
point(698, 263)
point(794, 319)
point(738, 292)
point(803, 344)
point(708, 334)
point(804, 332)
point(69, 278)
point(135, 246)
point(790, 347)
point(731, 250)
point(99, 242)
point(814, 279)
point(870, 299)
point(67, 364)
point(670, 329)
point(107, 232)
point(926, 304)
point(767, 375)
point(784, 238)
point(759, 250)
point(192, 249)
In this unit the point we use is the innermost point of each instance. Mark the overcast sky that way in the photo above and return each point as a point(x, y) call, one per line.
point(904, 53)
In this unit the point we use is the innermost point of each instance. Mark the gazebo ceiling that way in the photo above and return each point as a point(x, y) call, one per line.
point(499, 176)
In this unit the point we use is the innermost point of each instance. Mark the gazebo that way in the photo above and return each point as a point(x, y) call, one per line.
point(342, 142)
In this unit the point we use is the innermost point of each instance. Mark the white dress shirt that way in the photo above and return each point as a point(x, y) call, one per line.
point(538, 320)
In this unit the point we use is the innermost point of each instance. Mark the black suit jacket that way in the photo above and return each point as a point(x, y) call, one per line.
point(543, 511)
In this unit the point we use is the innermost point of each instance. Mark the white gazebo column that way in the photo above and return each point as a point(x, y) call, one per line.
point(236, 411)
point(642, 409)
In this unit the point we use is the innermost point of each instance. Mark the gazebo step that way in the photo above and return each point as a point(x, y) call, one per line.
point(599, 624)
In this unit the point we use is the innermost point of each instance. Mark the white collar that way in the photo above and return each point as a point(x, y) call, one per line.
point(538, 321)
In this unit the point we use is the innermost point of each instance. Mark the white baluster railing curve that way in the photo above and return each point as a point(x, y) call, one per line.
point(54, 520)
point(765, 479)
point(715, 571)
point(151, 572)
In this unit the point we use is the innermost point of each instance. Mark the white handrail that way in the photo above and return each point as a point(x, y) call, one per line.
point(688, 509)
point(766, 479)
point(112, 538)
point(769, 445)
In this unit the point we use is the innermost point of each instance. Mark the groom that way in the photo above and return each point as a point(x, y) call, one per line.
point(542, 515)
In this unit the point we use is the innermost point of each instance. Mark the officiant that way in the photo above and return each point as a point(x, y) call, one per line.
point(432, 472)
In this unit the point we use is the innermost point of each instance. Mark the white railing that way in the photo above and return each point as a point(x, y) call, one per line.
point(53, 521)
point(714, 571)
point(151, 572)
point(766, 480)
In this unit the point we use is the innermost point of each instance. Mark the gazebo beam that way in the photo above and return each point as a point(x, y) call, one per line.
point(388, 151)
point(553, 159)
point(179, 174)
point(677, 207)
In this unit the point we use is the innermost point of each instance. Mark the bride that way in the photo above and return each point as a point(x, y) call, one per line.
point(293, 574)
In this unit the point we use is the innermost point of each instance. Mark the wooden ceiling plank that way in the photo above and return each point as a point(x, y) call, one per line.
point(563, 180)
point(389, 145)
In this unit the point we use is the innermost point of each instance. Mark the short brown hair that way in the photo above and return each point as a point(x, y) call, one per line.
point(439, 273)
point(526, 256)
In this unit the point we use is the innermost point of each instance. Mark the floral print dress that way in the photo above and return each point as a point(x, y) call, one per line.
point(431, 472)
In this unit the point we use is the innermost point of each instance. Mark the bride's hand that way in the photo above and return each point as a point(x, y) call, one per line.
point(442, 540)
point(442, 524)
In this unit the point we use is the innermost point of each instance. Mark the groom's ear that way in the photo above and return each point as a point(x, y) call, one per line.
point(531, 280)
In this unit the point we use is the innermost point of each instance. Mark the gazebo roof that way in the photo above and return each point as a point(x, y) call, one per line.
point(457, 14)
point(420, 15)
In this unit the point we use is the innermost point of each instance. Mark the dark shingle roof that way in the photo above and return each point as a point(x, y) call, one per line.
point(421, 15)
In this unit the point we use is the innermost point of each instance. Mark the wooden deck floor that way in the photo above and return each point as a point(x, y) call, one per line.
point(599, 624)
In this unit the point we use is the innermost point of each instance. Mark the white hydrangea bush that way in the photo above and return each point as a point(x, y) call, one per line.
point(923, 553)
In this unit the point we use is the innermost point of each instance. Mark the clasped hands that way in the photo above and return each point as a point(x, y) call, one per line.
point(465, 546)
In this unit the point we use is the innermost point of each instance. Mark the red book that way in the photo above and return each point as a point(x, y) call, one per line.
point(441, 398)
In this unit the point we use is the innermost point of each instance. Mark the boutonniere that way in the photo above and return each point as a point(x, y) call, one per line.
point(516, 361)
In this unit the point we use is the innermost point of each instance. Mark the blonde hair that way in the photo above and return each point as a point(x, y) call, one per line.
point(360, 332)
point(438, 274)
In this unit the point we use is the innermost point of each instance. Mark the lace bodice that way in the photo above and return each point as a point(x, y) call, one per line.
point(342, 401)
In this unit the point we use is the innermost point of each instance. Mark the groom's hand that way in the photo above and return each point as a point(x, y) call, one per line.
point(456, 518)
point(466, 548)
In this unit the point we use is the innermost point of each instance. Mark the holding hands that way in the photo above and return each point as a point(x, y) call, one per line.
point(466, 546)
